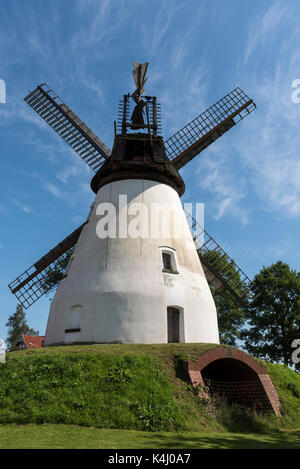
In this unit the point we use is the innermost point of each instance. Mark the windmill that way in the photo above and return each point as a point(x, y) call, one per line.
point(139, 289)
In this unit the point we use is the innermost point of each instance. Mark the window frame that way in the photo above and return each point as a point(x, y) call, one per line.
point(173, 259)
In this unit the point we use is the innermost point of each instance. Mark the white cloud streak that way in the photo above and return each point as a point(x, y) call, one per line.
point(53, 189)
point(270, 144)
point(215, 177)
point(267, 143)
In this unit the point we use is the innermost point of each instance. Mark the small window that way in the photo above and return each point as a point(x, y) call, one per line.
point(74, 318)
point(167, 261)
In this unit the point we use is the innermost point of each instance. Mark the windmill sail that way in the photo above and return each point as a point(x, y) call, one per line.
point(31, 285)
point(139, 74)
point(219, 268)
point(198, 134)
point(68, 125)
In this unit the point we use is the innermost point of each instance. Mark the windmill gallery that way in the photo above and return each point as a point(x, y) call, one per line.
point(122, 283)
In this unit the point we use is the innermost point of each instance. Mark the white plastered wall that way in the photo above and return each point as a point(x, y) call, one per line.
point(120, 285)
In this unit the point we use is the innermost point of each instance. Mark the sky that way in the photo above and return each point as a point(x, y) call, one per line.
point(198, 50)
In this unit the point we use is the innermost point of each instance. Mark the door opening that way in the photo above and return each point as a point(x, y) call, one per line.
point(173, 324)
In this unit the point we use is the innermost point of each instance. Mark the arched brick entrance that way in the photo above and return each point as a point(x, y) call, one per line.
point(237, 376)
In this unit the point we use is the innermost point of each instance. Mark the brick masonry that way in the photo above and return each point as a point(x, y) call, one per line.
point(257, 392)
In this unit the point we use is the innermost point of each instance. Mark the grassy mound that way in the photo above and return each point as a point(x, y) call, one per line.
point(138, 387)
point(94, 390)
point(287, 384)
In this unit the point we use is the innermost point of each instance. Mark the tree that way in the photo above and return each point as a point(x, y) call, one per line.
point(274, 318)
point(230, 314)
point(17, 326)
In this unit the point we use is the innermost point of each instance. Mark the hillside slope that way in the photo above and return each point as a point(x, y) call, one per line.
point(141, 387)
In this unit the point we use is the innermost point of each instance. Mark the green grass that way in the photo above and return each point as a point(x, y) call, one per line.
point(162, 351)
point(68, 436)
point(131, 387)
point(287, 383)
point(166, 358)
point(112, 391)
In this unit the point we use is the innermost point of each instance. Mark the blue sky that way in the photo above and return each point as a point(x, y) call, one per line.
point(198, 51)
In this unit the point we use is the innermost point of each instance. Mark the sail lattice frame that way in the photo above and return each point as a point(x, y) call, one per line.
point(198, 134)
point(31, 284)
point(34, 282)
point(219, 268)
point(67, 124)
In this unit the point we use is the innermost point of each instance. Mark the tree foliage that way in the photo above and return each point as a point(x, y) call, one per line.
point(54, 274)
point(17, 325)
point(230, 316)
point(274, 318)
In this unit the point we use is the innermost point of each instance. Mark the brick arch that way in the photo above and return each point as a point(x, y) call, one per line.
point(252, 386)
point(229, 352)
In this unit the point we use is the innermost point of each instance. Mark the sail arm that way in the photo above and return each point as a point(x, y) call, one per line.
point(31, 284)
point(219, 268)
point(67, 124)
point(205, 129)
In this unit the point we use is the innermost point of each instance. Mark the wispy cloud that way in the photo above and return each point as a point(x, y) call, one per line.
point(165, 15)
point(267, 144)
point(23, 172)
point(25, 208)
point(270, 144)
point(280, 249)
point(15, 110)
point(191, 96)
point(28, 209)
point(265, 25)
point(69, 172)
point(226, 197)
point(53, 189)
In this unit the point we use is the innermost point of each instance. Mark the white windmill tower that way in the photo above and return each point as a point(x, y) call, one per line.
point(134, 275)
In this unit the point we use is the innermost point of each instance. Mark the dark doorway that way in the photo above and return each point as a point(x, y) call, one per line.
point(173, 324)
